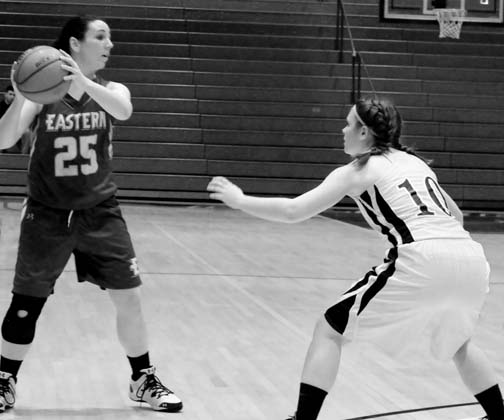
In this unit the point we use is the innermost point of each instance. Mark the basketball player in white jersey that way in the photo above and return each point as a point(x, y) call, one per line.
point(430, 289)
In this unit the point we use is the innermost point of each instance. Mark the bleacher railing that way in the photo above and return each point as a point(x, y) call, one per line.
point(357, 61)
point(341, 22)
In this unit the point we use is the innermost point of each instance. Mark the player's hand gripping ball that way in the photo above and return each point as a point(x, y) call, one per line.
point(39, 76)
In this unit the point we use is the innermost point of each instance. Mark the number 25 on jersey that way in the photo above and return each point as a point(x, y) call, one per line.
point(72, 148)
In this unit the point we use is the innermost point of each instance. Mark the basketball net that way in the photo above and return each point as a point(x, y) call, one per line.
point(450, 22)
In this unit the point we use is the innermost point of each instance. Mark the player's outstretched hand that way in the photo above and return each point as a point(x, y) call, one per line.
point(224, 190)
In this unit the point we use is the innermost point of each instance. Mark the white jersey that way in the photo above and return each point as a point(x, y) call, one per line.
point(406, 203)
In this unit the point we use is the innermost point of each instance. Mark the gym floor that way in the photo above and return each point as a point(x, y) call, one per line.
point(231, 302)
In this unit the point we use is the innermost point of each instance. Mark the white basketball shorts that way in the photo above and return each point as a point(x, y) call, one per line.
point(427, 294)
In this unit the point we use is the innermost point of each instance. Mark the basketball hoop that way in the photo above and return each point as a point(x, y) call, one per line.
point(450, 22)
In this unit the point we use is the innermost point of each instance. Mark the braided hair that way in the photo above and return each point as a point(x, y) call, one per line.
point(385, 124)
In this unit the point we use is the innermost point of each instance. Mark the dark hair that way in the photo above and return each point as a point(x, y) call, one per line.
point(75, 27)
point(385, 123)
point(8, 87)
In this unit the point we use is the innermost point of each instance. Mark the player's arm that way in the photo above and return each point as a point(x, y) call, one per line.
point(288, 210)
point(17, 118)
point(115, 98)
point(452, 206)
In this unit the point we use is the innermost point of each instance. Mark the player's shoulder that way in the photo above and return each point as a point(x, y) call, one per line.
point(358, 176)
point(379, 165)
point(362, 176)
point(396, 160)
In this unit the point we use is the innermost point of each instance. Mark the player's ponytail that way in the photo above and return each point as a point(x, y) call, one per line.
point(385, 124)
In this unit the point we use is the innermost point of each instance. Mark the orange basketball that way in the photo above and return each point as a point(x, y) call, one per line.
point(39, 76)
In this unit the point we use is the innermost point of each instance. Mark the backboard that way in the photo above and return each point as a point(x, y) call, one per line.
point(485, 11)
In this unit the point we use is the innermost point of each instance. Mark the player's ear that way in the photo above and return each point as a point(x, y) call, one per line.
point(368, 132)
point(364, 131)
point(74, 44)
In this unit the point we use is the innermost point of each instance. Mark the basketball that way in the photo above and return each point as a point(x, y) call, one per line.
point(39, 76)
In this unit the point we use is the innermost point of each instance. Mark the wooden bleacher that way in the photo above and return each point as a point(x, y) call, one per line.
point(254, 91)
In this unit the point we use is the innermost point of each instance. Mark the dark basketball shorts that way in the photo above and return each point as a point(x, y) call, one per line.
point(97, 237)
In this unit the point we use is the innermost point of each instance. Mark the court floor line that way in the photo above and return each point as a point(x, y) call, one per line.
point(71, 269)
point(229, 280)
point(412, 410)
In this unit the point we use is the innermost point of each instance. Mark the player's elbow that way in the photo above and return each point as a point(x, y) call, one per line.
point(9, 138)
point(124, 112)
point(293, 213)
point(6, 143)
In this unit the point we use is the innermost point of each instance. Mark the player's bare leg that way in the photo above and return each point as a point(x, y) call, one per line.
point(319, 371)
point(18, 332)
point(323, 356)
point(480, 378)
point(145, 386)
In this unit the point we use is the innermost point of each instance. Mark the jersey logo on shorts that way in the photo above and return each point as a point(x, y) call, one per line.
point(134, 267)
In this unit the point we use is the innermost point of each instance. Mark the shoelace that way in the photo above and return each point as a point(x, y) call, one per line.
point(5, 387)
point(154, 385)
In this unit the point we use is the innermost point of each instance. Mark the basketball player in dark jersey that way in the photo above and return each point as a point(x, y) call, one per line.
point(427, 294)
point(71, 209)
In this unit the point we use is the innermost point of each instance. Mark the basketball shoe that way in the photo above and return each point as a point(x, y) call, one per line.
point(7, 391)
point(149, 389)
point(293, 417)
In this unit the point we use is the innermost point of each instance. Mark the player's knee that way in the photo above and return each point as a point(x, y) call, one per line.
point(19, 323)
point(324, 330)
point(461, 354)
point(127, 301)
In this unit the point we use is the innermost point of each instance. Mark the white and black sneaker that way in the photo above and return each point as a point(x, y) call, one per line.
point(149, 389)
point(7, 391)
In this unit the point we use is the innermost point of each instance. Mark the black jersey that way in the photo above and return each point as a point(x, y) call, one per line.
point(70, 162)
